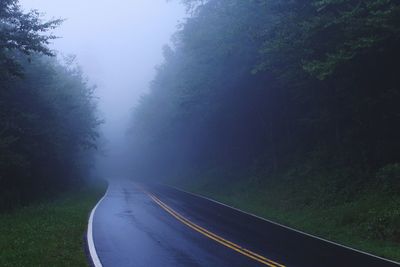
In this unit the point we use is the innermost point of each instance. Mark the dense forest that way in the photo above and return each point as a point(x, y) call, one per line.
point(288, 109)
point(48, 121)
point(299, 100)
point(273, 85)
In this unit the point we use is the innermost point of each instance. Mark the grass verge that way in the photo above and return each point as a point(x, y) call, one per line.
point(369, 222)
point(48, 234)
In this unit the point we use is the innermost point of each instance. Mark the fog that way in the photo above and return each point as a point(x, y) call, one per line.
point(118, 44)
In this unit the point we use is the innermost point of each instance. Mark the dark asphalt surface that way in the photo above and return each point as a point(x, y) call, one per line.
point(130, 229)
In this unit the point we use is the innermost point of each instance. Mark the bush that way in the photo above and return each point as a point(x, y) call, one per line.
point(389, 177)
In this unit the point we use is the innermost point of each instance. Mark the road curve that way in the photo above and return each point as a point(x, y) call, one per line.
point(153, 225)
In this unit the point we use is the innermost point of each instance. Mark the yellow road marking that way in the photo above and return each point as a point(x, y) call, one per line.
point(213, 236)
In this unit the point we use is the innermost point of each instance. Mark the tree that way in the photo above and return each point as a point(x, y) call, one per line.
point(275, 84)
point(21, 32)
point(48, 116)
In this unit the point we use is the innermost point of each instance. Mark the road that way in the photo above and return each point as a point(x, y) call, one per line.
point(153, 225)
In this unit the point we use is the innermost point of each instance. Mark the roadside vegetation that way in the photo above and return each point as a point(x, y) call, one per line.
point(368, 220)
point(50, 233)
point(48, 120)
point(289, 109)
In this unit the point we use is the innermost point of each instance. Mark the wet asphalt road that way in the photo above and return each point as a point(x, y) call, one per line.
point(131, 229)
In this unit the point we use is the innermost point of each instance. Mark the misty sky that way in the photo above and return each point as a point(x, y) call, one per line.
point(118, 43)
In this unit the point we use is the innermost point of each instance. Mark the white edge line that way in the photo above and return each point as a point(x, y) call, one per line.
point(283, 226)
point(92, 248)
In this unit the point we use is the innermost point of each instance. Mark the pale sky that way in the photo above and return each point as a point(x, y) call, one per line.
point(118, 43)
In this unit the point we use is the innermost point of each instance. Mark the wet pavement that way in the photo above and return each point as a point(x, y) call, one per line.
point(131, 229)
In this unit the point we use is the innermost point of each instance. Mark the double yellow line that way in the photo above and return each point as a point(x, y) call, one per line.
point(213, 236)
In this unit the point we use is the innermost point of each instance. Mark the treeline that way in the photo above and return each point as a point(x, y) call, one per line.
point(274, 86)
point(48, 123)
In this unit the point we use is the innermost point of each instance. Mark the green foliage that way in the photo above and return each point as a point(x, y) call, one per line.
point(368, 221)
point(49, 233)
point(287, 108)
point(322, 36)
point(277, 83)
point(48, 121)
point(389, 177)
point(49, 127)
point(22, 32)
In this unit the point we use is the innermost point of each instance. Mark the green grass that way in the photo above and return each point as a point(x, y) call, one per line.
point(48, 234)
point(369, 222)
